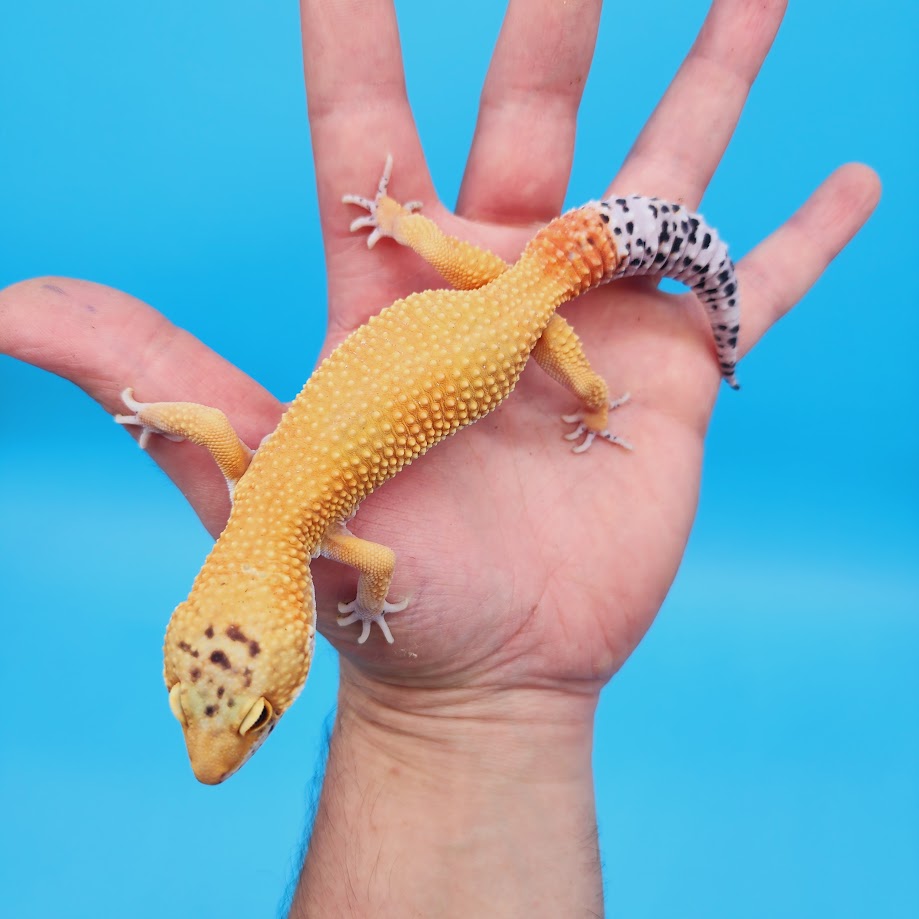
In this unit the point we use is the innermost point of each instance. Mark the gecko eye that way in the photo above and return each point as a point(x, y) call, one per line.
point(257, 716)
point(175, 704)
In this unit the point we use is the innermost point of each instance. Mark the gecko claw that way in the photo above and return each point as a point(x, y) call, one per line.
point(590, 435)
point(127, 396)
point(379, 219)
point(357, 613)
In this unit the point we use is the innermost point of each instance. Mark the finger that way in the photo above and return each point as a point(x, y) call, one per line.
point(524, 138)
point(358, 109)
point(104, 341)
point(680, 147)
point(782, 268)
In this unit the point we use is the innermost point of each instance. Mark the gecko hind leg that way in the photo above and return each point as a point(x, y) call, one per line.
point(383, 211)
point(375, 564)
point(177, 421)
point(559, 352)
point(461, 264)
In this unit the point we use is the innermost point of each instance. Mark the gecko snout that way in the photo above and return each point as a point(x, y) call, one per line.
point(220, 740)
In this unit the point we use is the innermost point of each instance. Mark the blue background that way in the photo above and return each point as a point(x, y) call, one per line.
point(759, 754)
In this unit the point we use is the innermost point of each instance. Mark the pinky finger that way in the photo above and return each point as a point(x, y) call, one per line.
point(783, 267)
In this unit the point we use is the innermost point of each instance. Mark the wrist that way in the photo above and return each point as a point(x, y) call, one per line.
point(461, 803)
point(496, 733)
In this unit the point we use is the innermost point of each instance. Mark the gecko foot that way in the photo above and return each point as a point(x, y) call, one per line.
point(583, 429)
point(365, 616)
point(127, 396)
point(383, 210)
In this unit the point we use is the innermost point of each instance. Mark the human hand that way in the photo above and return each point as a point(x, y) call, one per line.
point(461, 767)
point(510, 548)
point(532, 573)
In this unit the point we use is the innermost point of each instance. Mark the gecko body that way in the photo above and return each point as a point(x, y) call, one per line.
point(238, 650)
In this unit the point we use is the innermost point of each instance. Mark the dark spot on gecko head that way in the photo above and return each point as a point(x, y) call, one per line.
point(210, 711)
point(235, 633)
point(247, 675)
point(187, 648)
point(209, 632)
point(220, 691)
point(195, 674)
point(220, 659)
point(604, 218)
point(231, 703)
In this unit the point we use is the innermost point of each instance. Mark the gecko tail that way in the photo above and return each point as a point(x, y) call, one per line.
point(663, 239)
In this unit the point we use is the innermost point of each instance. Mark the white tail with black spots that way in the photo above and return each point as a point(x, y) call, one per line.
point(659, 238)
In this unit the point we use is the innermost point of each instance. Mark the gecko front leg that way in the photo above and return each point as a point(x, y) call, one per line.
point(375, 564)
point(208, 427)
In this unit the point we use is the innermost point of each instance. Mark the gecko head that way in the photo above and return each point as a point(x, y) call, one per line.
point(231, 679)
point(220, 738)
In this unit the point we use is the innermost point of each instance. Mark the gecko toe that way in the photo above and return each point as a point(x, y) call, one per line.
point(353, 612)
point(589, 434)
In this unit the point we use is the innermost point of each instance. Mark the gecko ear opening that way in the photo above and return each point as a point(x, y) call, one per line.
point(257, 716)
point(175, 704)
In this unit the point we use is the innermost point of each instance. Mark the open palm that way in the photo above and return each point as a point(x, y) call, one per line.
point(524, 564)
